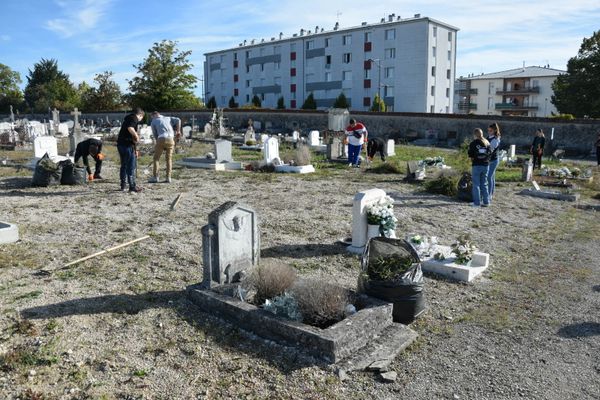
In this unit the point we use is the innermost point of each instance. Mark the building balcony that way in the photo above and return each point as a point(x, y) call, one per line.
point(515, 107)
point(463, 105)
point(467, 92)
point(519, 91)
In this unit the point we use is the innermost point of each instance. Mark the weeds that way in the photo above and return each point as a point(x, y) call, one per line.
point(320, 303)
point(271, 280)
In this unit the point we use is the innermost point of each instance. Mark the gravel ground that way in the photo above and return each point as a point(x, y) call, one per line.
point(119, 326)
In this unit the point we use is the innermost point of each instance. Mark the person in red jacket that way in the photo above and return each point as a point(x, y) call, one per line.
point(356, 137)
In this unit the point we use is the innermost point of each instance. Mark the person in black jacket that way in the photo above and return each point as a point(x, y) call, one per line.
point(537, 148)
point(494, 139)
point(374, 146)
point(90, 147)
point(479, 153)
point(126, 142)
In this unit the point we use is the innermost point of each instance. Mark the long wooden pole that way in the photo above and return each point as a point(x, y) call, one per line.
point(106, 251)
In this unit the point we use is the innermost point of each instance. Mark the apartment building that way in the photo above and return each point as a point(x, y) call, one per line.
point(409, 62)
point(523, 91)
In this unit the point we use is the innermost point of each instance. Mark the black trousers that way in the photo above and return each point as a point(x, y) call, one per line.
point(537, 159)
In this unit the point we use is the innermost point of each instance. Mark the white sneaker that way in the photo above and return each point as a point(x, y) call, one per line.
point(168, 180)
point(153, 179)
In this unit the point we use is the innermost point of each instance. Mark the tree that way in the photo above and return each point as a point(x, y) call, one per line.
point(256, 101)
point(378, 104)
point(341, 101)
point(164, 81)
point(106, 96)
point(232, 103)
point(281, 103)
point(310, 103)
point(578, 91)
point(48, 87)
point(212, 103)
point(10, 94)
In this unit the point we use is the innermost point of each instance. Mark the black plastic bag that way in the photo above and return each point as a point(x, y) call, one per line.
point(72, 174)
point(465, 187)
point(406, 291)
point(47, 172)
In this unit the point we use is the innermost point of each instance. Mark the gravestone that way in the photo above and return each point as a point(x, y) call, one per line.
point(55, 120)
point(12, 115)
point(249, 136)
point(359, 217)
point(527, 174)
point(223, 151)
point(414, 172)
point(186, 131)
point(263, 138)
point(295, 136)
point(230, 244)
point(9, 233)
point(390, 148)
point(335, 149)
point(43, 145)
point(76, 136)
point(271, 150)
point(512, 152)
point(313, 138)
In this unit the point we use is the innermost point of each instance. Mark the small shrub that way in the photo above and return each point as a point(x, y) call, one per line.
point(250, 142)
point(389, 268)
point(321, 303)
point(444, 185)
point(566, 117)
point(303, 156)
point(270, 281)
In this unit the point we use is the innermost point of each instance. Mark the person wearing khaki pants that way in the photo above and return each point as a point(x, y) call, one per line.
point(165, 130)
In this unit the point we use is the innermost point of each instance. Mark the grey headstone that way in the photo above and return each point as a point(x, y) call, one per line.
point(223, 151)
point(230, 244)
point(335, 150)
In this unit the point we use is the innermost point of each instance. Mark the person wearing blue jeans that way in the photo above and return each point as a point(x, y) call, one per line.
point(479, 153)
point(356, 136)
point(494, 139)
point(126, 141)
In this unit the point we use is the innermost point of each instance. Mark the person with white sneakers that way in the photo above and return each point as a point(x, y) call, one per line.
point(165, 130)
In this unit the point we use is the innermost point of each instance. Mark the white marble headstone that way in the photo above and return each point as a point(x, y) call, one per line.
point(313, 138)
point(359, 217)
point(271, 150)
point(512, 151)
point(390, 149)
point(223, 151)
point(263, 138)
point(43, 145)
point(296, 135)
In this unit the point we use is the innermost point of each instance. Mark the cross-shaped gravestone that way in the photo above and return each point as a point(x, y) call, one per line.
point(55, 120)
point(76, 136)
point(76, 114)
point(12, 115)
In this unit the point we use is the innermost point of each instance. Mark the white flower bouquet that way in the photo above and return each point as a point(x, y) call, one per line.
point(382, 213)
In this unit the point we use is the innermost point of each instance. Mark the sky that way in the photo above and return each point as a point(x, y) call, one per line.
point(91, 36)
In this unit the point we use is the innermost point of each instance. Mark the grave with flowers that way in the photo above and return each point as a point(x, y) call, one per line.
point(460, 261)
point(371, 207)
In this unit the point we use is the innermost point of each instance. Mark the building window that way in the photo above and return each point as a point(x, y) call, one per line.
point(347, 40)
point(293, 88)
point(448, 92)
point(327, 61)
point(248, 53)
point(293, 55)
point(449, 55)
point(432, 71)
point(367, 84)
point(433, 90)
point(262, 97)
point(448, 74)
point(293, 104)
point(490, 103)
point(388, 91)
point(367, 74)
point(449, 36)
point(328, 77)
point(236, 78)
point(310, 45)
point(293, 72)
point(262, 67)
point(347, 58)
point(236, 92)
point(247, 69)
point(434, 51)
point(248, 83)
point(389, 72)
point(327, 42)
point(431, 110)
point(367, 37)
point(390, 34)
point(491, 88)
point(247, 98)
point(435, 31)
point(235, 56)
point(366, 101)
point(390, 53)
point(347, 75)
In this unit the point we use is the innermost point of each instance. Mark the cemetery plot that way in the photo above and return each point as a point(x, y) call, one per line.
point(221, 160)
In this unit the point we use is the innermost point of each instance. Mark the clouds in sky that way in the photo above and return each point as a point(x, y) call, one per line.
point(77, 16)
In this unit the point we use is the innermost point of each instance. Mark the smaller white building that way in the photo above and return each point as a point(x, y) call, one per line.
point(523, 91)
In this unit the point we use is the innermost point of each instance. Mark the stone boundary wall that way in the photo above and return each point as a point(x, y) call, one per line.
point(577, 137)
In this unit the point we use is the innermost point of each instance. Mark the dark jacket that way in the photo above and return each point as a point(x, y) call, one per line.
point(538, 144)
point(83, 151)
point(479, 153)
point(125, 137)
point(374, 146)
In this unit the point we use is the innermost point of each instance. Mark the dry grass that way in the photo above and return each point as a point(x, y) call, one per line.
point(320, 303)
point(303, 156)
point(271, 280)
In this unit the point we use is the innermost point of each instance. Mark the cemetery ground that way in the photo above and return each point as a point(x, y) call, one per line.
point(120, 326)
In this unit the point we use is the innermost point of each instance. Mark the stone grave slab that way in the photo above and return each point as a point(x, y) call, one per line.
point(9, 233)
point(414, 172)
point(295, 169)
point(527, 173)
point(223, 160)
point(335, 150)
point(390, 148)
point(550, 195)
point(230, 244)
point(43, 145)
point(452, 270)
point(359, 217)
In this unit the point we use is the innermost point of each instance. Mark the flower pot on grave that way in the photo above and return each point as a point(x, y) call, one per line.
point(390, 234)
point(372, 231)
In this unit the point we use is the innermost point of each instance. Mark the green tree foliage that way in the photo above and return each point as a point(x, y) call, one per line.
point(232, 103)
point(341, 101)
point(212, 103)
point(310, 103)
point(578, 91)
point(106, 96)
point(164, 81)
point(48, 87)
point(378, 104)
point(256, 102)
point(281, 103)
point(10, 93)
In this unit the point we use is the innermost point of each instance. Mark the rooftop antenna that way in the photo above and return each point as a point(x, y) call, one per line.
point(338, 16)
point(523, 64)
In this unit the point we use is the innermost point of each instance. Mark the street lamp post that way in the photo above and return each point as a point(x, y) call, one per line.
point(377, 62)
point(545, 107)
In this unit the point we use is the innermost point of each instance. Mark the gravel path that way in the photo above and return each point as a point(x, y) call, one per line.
point(120, 327)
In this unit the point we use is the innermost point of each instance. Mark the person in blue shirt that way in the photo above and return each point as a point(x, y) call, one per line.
point(479, 153)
